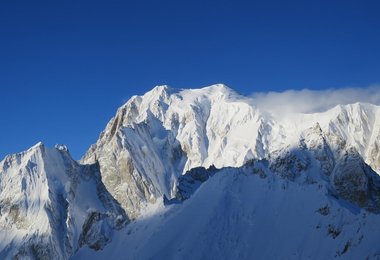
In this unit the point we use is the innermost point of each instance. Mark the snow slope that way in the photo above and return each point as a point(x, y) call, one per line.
point(239, 214)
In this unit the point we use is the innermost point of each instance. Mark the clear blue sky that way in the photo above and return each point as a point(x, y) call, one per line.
point(66, 66)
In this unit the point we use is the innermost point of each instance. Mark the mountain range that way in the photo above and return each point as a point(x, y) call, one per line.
point(201, 174)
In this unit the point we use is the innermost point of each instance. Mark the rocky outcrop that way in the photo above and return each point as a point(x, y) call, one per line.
point(356, 182)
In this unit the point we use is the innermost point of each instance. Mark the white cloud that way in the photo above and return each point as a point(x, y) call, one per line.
point(310, 101)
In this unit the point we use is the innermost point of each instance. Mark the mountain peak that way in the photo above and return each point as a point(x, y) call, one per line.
point(35, 149)
point(220, 87)
point(37, 145)
point(159, 91)
point(216, 88)
point(160, 88)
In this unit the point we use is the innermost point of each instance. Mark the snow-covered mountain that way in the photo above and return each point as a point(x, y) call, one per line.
point(157, 137)
point(51, 206)
point(237, 182)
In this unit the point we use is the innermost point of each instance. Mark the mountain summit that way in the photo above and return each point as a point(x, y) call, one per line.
point(178, 169)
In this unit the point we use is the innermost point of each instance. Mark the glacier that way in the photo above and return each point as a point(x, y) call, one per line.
point(201, 173)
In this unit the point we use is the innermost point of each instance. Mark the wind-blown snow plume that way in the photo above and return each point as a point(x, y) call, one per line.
point(311, 101)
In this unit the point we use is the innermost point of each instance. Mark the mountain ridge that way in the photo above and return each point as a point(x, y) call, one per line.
point(156, 141)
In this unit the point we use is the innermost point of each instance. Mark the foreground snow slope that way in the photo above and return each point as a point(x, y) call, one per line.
point(238, 214)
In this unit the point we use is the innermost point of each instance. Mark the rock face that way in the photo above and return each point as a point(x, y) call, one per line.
point(355, 181)
point(45, 200)
point(169, 143)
